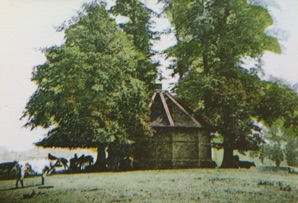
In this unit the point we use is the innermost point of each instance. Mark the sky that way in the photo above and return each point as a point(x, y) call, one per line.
point(28, 25)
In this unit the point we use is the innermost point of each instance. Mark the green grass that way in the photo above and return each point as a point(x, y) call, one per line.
point(261, 184)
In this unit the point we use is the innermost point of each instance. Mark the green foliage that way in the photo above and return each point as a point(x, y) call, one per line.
point(139, 24)
point(138, 30)
point(92, 88)
point(291, 152)
point(283, 145)
point(272, 152)
point(278, 101)
point(276, 154)
point(224, 100)
point(225, 30)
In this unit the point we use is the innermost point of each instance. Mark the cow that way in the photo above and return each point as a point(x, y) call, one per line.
point(293, 170)
point(42, 168)
point(84, 161)
point(7, 165)
point(246, 164)
point(79, 163)
point(87, 160)
point(60, 160)
point(237, 163)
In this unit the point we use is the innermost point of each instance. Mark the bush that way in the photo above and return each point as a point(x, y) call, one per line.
point(272, 152)
point(291, 152)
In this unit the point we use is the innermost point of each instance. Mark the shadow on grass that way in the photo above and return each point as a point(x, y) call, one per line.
point(45, 187)
point(19, 188)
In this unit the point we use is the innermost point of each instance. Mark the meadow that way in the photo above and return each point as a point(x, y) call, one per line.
point(261, 184)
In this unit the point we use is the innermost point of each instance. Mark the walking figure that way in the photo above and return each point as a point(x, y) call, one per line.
point(20, 172)
point(47, 171)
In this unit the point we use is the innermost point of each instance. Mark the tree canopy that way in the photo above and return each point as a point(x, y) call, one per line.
point(91, 89)
point(220, 33)
point(213, 38)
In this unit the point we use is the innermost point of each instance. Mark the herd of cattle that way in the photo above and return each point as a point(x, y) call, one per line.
point(115, 160)
point(19, 169)
point(75, 164)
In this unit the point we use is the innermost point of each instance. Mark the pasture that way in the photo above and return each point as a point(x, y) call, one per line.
point(183, 185)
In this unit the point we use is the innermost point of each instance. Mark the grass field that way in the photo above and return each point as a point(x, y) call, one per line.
point(189, 185)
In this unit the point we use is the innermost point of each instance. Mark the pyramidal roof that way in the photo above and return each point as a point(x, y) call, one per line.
point(168, 111)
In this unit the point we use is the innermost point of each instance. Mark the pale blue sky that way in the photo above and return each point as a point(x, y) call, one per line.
point(27, 25)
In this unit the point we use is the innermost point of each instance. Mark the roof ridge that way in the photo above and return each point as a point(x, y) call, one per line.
point(174, 100)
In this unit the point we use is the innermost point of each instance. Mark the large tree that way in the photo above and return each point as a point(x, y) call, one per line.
point(213, 37)
point(91, 90)
point(138, 27)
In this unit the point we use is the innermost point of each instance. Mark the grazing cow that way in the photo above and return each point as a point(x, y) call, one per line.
point(7, 165)
point(246, 164)
point(81, 162)
point(60, 161)
point(21, 169)
point(84, 161)
point(88, 160)
point(293, 170)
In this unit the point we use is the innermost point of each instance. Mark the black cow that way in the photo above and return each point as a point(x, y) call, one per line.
point(87, 160)
point(79, 163)
point(7, 165)
point(246, 164)
point(237, 163)
point(292, 170)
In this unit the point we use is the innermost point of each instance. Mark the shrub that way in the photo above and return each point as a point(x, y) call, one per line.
point(291, 152)
point(272, 152)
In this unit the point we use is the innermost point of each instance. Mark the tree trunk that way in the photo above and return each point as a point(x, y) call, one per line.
point(277, 163)
point(101, 157)
point(228, 159)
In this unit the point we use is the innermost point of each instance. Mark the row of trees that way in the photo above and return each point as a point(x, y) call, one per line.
point(95, 88)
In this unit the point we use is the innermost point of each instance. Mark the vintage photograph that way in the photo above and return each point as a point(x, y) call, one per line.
point(149, 101)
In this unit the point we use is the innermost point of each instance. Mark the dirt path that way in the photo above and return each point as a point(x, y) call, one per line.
point(192, 185)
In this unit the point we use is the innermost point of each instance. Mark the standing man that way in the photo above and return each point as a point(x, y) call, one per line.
point(20, 172)
point(47, 171)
